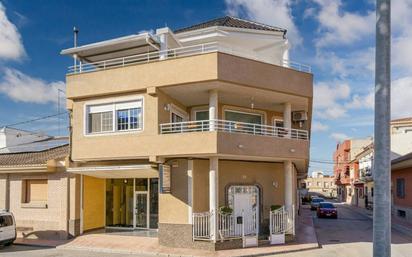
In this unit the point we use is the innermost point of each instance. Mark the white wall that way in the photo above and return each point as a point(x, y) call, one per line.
point(11, 137)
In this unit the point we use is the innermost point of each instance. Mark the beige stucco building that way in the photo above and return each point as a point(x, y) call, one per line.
point(167, 128)
point(321, 185)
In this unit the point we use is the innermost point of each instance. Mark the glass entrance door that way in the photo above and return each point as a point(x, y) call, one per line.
point(141, 210)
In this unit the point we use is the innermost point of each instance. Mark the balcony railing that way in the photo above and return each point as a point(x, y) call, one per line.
point(178, 52)
point(232, 127)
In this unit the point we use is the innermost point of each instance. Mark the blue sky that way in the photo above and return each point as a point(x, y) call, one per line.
point(335, 37)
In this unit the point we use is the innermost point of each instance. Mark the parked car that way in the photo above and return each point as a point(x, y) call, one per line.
point(7, 228)
point(326, 209)
point(315, 203)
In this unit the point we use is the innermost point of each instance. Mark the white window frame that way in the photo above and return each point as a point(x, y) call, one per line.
point(178, 111)
point(114, 104)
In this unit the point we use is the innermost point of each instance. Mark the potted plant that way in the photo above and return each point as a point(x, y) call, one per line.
point(275, 207)
point(225, 210)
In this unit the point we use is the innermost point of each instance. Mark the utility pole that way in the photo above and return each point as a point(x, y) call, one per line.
point(382, 162)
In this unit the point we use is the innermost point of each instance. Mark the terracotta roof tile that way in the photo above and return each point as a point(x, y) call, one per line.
point(33, 158)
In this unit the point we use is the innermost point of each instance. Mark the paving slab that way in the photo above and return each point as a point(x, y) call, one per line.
point(109, 243)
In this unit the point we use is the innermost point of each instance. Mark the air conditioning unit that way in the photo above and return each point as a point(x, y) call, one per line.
point(299, 116)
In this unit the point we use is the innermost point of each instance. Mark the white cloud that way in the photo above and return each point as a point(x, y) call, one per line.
point(339, 136)
point(362, 101)
point(272, 12)
point(23, 88)
point(401, 95)
point(327, 98)
point(338, 27)
point(319, 127)
point(11, 46)
point(359, 63)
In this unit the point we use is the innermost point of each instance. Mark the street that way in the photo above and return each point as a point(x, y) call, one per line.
point(349, 235)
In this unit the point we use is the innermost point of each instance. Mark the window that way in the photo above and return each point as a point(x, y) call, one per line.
point(402, 213)
point(112, 117)
point(201, 115)
point(6, 220)
point(243, 117)
point(400, 188)
point(128, 119)
point(278, 123)
point(326, 185)
point(100, 122)
point(176, 118)
point(319, 184)
point(34, 191)
point(308, 184)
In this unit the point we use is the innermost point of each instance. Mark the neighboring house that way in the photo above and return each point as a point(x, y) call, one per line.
point(319, 184)
point(365, 159)
point(402, 187)
point(35, 186)
point(346, 168)
point(169, 127)
point(401, 144)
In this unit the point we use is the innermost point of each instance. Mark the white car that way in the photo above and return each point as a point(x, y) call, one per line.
point(7, 228)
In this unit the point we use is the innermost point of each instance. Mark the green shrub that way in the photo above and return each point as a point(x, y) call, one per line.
point(275, 207)
point(225, 210)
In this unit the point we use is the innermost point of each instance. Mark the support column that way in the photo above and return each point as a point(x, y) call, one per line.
point(288, 184)
point(287, 117)
point(4, 191)
point(190, 190)
point(213, 195)
point(213, 109)
point(162, 33)
point(286, 54)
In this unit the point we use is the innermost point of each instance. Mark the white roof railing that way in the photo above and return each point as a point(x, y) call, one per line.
point(175, 53)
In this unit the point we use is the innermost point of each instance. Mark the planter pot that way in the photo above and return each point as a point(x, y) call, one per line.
point(277, 239)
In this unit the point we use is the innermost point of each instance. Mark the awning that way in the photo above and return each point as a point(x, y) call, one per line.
point(115, 48)
point(125, 171)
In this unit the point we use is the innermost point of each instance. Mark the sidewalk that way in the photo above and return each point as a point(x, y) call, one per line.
point(305, 240)
point(397, 223)
point(40, 242)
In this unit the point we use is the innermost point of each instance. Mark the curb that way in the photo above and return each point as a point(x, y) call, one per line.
point(119, 251)
point(35, 245)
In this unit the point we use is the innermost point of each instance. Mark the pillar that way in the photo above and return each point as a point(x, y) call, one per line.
point(286, 54)
point(4, 192)
point(190, 190)
point(288, 184)
point(213, 109)
point(287, 117)
point(213, 195)
point(162, 33)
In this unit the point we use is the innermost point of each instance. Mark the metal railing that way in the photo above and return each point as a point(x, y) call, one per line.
point(201, 225)
point(229, 226)
point(178, 52)
point(232, 127)
point(282, 221)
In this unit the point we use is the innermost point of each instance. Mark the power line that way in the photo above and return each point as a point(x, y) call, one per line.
point(33, 120)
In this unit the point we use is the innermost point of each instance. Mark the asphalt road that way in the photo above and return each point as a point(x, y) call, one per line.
point(348, 236)
point(351, 236)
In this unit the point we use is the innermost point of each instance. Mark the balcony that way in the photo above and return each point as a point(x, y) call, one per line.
point(233, 127)
point(176, 53)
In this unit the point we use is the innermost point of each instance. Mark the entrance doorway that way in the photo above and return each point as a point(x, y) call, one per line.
point(244, 200)
point(132, 203)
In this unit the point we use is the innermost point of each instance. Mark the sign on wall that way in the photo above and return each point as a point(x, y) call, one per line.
point(165, 178)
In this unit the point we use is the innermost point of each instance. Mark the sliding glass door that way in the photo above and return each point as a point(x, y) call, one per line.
point(132, 203)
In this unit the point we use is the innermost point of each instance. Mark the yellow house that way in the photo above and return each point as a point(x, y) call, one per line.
point(198, 133)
